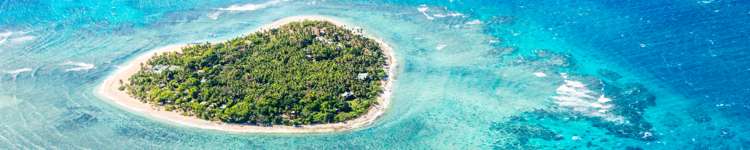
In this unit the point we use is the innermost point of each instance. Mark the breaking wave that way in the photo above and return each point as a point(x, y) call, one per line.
point(251, 6)
point(576, 96)
point(243, 7)
point(18, 71)
point(79, 66)
point(14, 37)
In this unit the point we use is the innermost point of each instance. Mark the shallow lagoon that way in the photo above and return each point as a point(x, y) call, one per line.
point(477, 75)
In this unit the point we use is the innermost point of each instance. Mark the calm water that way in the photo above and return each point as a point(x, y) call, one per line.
point(475, 74)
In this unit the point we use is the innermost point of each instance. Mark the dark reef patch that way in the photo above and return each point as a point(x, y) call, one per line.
point(526, 132)
point(630, 102)
point(609, 74)
point(671, 120)
point(500, 20)
point(522, 132)
point(624, 119)
point(146, 133)
point(77, 118)
point(544, 59)
point(699, 115)
point(553, 59)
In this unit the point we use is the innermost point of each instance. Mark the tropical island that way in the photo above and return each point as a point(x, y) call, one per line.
point(298, 74)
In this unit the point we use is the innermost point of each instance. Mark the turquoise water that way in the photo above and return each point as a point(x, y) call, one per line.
point(475, 74)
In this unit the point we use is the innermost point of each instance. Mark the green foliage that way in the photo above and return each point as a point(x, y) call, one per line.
point(301, 73)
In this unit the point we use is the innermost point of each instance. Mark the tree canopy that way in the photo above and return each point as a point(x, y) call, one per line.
point(305, 72)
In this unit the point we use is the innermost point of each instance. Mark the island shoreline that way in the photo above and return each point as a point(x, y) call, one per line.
point(109, 90)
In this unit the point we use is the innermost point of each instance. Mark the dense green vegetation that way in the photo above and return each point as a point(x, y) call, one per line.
point(306, 72)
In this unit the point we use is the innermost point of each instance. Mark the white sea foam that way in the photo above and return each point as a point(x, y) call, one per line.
point(4, 36)
point(243, 7)
point(455, 14)
point(603, 99)
point(215, 15)
point(451, 14)
point(576, 96)
point(440, 46)
point(705, 1)
point(423, 9)
point(18, 71)
point(22, 39)
point(474, 22)
point(564, 75)
point(79, 66)
point(14, 37)
point(251, 6)
point(540, 74)
point(439, 13)
point(575, 138)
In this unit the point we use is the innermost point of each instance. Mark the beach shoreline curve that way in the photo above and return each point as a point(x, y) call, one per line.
point(109, 91)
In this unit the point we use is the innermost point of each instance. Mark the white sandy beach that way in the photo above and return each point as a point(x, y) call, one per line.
point(108, 90)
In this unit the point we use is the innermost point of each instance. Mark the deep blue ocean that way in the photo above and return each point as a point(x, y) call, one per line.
point(482, 74)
